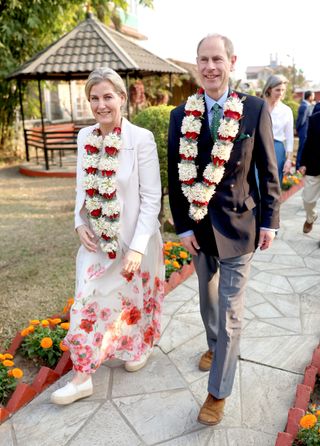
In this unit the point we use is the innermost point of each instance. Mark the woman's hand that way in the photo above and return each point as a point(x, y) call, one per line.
point(87, 238)
point(132, 261)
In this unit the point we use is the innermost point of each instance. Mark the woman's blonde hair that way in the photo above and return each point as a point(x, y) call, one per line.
point(103, 74)
point(273, 81)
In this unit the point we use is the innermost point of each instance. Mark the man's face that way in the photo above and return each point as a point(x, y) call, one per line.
point(214, 66)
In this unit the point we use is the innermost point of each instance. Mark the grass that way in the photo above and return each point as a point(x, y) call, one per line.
point(38, 249)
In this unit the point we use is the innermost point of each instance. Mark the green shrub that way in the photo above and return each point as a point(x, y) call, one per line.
point(294, 105)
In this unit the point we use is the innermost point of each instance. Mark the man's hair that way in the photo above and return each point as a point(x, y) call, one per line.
point(273, 81)
point(308, 94)
point(227, 43)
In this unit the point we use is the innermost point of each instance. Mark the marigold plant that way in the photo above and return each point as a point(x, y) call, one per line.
point(309, 434)
point(175, 257)
point(43, 339)
point(291, 179)
point(9, 376)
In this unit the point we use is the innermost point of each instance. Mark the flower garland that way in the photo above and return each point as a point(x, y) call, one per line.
point(100, 163)
point(199, 194)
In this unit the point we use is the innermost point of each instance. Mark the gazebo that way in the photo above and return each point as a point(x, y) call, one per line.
point(89, 45)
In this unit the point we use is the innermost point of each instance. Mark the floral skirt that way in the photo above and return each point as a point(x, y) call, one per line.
point(115, 316)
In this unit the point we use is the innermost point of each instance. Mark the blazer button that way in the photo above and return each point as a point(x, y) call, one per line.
point(234, 209)
point(238, 163)
point(232, 186)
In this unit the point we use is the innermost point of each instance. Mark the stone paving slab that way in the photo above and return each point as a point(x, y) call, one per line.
point(159, 404)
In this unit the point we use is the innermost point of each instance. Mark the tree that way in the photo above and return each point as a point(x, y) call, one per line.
point(27, 27)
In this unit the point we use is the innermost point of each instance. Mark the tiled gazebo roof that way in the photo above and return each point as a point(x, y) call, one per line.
point(89, 45)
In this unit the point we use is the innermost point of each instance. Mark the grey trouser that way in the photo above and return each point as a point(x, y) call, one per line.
point(221, 287)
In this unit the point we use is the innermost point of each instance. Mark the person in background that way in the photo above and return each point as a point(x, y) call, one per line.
point(120, 267)
point(282, 121)
point(310, 166)
point(215, 142)
point(304, 112)
point(316, 108)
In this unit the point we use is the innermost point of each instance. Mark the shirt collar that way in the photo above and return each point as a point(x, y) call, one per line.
point(210, 102)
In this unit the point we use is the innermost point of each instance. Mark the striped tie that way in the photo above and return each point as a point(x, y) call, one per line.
point(215, 122)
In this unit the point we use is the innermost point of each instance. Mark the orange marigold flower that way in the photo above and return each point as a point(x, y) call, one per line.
point(24, 332)
point(65, 325)
point(46, 343)
point(63, 347)
point(30, 329)
point(17, 373)
point(308, 421)
point(167, 262)
point(55, 321)
point(183, 255)
point(35, 322)
point(7, 363)
point(173, 256)
point(9, 373)
point(176, 264)
point(2, 357)
point(176, 244)
point(45, 323)
point(8, 356)
point(318, 413)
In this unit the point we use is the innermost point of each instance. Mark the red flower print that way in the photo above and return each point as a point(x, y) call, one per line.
point(149, 305)
point(145, 278)
point(125, 343)
point(158, 284)
point(97, 339)
point(86, 325)
point(131, 316)
point(105, 314)
point(148, 335)
point(127, 275)
point(232, 114)
point(90, 311)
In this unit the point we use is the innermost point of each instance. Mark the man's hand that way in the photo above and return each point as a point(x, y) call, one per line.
point(87, 238)
point(287, 166)
point(266, 239)
point(302, 170)
point(191, 244)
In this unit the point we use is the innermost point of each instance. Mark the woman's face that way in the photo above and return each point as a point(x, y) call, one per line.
point(106, 104)
point(277, 93)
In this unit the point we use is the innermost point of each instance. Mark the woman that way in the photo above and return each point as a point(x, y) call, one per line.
point(282, 121)
point(120, 269)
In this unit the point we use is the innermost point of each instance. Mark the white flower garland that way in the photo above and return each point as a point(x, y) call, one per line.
point(100, 163)
point(199, 194)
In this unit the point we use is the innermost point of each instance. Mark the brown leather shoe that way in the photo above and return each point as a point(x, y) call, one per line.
point(206, 361)
point(211, 412)
point(307, 227)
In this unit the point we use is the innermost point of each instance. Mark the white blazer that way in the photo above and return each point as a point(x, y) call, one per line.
point(138, 185)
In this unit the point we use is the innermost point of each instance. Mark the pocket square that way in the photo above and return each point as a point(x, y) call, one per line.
point(242, 136)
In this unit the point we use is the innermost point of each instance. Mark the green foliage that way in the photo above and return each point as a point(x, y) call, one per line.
point(32, 349)
point(294, 105)
point(8, 382)
point(156, 119)
point(175, 257)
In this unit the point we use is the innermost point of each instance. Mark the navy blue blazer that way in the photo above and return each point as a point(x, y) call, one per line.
point(238, 208)
point(311, 149)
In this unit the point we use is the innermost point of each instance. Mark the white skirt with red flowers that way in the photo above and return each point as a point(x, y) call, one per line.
point(113, 316)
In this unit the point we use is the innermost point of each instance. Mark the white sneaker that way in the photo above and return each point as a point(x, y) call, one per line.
point(133, 366)
point(72, 392)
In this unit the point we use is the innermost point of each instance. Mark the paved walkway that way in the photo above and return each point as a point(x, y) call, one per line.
point(160, 403)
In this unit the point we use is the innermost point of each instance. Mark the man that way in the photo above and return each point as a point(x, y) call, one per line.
point(237, 221)
point(304, 112)
point(310, 165)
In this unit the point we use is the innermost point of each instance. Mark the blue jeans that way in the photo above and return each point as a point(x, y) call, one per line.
point(281, 157)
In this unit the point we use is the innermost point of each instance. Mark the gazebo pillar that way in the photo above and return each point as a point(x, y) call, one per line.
point(22, 117)
point(43, 129)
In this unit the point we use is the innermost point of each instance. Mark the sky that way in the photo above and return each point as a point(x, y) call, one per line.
point(289, 31)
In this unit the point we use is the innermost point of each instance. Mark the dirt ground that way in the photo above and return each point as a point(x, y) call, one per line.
point(38, 246)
